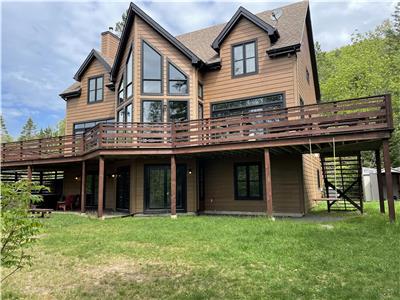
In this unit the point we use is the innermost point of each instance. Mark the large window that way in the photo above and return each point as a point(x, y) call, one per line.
point(200, 90)
point(177, 81)
point(244, 59)
point(178, 111)
point(248, 181)
point(129, 76)
point(95, 92)
point(124, 115)
point(151, 70)
point(238, 107)
point(121, 89)
point(83, 126)
point(152, 111)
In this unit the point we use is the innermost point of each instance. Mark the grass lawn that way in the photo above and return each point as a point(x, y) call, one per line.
point(213, 257)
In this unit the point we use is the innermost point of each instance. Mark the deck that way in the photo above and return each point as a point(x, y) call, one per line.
point(361, 119)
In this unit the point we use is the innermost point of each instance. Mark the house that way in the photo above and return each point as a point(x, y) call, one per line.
point(223, 120)
point(371, 186)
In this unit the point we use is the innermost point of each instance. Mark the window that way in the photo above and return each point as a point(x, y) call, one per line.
point(318, 179)
point(200, 91)
point(129, 77)
point(248, 185)
point(244, 59)
point(124, 115)
point(121, 91)
point(151, 70)
point(307, 76)
point(83, 126)
point(95, 89)
point(177, 111)
point(238, 107)
point(152, 111)
point(201, 110)
point(177, 81)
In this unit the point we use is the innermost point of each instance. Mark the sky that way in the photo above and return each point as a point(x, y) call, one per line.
point(44, 43)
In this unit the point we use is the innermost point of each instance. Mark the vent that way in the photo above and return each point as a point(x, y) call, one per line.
point(276, 14)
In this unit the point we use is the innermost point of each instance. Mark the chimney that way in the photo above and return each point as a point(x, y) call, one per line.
point(109, 43)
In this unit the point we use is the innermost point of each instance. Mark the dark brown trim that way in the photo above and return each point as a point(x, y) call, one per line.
point(243, 45)
point(169, 62)
point(242, 12)
point(143, 41)
point(284, 50)
point(95, 89)
point(134, 10)
point(71, 94)
point(93, 54)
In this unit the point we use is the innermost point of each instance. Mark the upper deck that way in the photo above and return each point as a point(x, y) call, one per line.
point(348, 121)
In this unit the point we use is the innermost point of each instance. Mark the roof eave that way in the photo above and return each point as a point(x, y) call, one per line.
point(93, 54)
point(71, 94)
point(284, 50)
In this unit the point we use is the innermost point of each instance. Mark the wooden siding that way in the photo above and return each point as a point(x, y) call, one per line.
point(71, 186)
point(78, 109)
point(274, 75)
point(141, 31)
point(287, 191)
point(311, 165)
point(109, 44)
point(305, 89)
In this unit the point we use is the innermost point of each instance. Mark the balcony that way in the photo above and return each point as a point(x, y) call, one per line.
point(361, 119)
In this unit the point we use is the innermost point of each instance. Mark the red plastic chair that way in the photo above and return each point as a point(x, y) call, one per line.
point(69, 201)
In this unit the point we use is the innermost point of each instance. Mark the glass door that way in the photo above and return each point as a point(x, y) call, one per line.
point(123, 188)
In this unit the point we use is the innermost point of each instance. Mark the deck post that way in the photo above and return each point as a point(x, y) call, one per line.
point(83, 187)
point(100, 188)
point(380, 183)
point(173, 186)
point(29, 173)
point(389, 180)
point(268, 182)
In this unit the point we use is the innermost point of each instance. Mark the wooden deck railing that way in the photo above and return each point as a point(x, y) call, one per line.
point(340, 117)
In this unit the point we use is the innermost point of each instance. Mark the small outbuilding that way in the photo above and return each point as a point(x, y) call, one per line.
point(370, 183)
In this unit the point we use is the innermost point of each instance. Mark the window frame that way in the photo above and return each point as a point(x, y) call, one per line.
point(243, 44)
point(95, 89)
point(106, 120)
point(178, 100)
point(235, 181)
point(151, 100)
point(126, 98)
point(142, 79)
point(169, 79)
point(199, 84)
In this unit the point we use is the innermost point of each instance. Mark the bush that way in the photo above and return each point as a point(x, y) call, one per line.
point(18, 227)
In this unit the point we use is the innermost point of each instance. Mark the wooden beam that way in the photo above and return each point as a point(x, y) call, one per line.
point(389, 183)
point(83, 187)
point(100, 188)
point(268, 182)
point(380, 183)
point(29, 173)
point(173, 186)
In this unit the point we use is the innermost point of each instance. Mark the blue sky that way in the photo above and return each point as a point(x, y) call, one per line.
point(44, 43)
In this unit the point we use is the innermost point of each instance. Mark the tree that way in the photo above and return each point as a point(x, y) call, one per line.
point(46, 133)
point(18, 228)
point(60, 128)
point(119, 26)
point(5, 137)
point(28, 131)
point(370, 65)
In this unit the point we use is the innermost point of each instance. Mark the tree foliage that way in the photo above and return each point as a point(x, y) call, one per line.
point(370, 65)
point(119, 26)
point(28, 131)
point(18, 228)
point(5, 137)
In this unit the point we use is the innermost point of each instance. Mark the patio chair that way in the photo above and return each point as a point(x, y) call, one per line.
point(69, 200)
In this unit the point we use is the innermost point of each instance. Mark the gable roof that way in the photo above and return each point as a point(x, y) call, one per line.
point(105, 61)
point(290, 27)
point(135, 10)
point(244, 13)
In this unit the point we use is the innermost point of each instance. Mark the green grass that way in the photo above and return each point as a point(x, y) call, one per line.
point(213, 257)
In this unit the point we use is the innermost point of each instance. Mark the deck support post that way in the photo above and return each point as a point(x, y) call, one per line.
point(100, 188)
point(380, 183)
point(29, 172)
point(389, 181)
point(268, 182)
point(83, 187)
point(173, 186)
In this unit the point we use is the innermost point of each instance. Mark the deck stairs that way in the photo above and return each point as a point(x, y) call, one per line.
point(342, 180)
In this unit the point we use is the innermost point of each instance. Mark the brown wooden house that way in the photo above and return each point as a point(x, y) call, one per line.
point(225, 119)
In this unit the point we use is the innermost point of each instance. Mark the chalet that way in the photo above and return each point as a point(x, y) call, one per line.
point(222, 120)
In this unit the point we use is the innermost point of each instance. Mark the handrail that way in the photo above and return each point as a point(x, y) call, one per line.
point(352, 115)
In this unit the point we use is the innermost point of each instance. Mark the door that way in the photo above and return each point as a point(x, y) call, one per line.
point(201, 185)
point(92, 180)
point(123, 188)
point(157, 188)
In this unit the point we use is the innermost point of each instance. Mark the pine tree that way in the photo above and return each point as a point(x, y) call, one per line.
point(4, 135)
point(28, 131)
point(119, 26)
